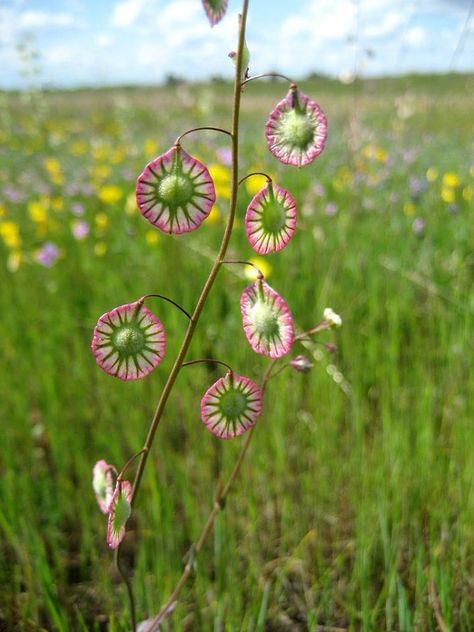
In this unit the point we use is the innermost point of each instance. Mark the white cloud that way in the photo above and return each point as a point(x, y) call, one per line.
point(43, 19)
point(127, 12)
point(416, 36)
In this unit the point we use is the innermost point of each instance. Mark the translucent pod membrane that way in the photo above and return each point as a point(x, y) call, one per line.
point(215, 10)
point(231, 406)
point(103, 485)
point(296, 130)
point(175, 192)
point(129, 341)
point(120, 509)
point(267, 320)
point(270, 220)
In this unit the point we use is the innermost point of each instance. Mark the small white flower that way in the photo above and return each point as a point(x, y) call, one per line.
point(333, 320)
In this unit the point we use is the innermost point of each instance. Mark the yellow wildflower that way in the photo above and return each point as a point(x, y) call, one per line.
point(220, 174)
point(101, 220)
point(3, 210)
point(152, 237)
point(37, 211)
point(78, 148)
point(262, 264)
point(53, 167)
point(118, 155)
point(451, 179)
point(380, 155)
point(14, 260)
point(448, 195)
point(131, 204)
point(110, 194)
point(467, 193)
point(214, 216)
point(57, 203)
point(254, 184)
point(10, 233)
point(151, 147)
point(102, 172)
point(431, 174)
point(100, 249)
point(100, 153)
point(409, 208)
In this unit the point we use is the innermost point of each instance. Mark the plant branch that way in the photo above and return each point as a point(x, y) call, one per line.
point(219, 504)
point(165, 298)
point(269, 74)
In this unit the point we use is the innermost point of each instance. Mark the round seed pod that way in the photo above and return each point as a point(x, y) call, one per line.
point(120, 509)
point(296, 130)
point(175, 192)
point(267, 320)
point(129, 341)
point(231, 406)
point(103, 485)
point(270, 221)
point(215, 10)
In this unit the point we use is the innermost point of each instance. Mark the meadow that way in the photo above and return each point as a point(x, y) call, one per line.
point(355, 506)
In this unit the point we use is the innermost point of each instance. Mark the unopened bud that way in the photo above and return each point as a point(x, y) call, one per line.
point(333, 320)
point(302, 364)
point(330, 347)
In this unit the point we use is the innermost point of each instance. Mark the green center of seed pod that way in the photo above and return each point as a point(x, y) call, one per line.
point(297, 129)
point(273, 217)
point(122, 510)
point(175, 190)
point(129, 340)
point(233, 404)
point(264, 319)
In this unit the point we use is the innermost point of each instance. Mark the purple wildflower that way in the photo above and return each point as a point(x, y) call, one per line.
point(224, 155)
point(296, 130)
point(267, 320)
point(129, 341)
point(331, 209)
point(47, 254)
point(175, 192)
point(80, 230)
point(231, 406)
point(270, 221)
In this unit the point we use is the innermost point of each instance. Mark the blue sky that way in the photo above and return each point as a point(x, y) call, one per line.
point(105, 42)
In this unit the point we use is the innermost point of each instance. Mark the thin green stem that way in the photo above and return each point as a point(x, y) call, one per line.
point(202, 129)
point(256, 173)
point(126, 579)
point(208, 361)
point(165, 298)
point(247, 263)
point(277, 75)
point(215, 268)
point(213, 273)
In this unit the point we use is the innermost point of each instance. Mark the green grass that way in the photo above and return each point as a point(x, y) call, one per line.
point(355, 506)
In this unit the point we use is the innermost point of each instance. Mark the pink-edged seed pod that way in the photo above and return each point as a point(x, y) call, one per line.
point(231, 406)
point(270, 221)
point(175, 192)
point(129, 341)
point(267, 320)
point(296, 130)
point(215, 10)
point(103, 485)
point(119, 512)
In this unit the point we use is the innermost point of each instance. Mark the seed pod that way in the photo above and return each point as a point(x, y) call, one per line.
point(215, 10)
point(302, 364)
point(270, 220)
point(231, 406)
point(103, 484)
point(267, 320)
point(119, 512)
point(296, 130)
point(175, 192)
point(129, 341)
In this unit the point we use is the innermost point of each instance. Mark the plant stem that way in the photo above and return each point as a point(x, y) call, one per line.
point(268, 74)
point(214, 270)
point(219, 504)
